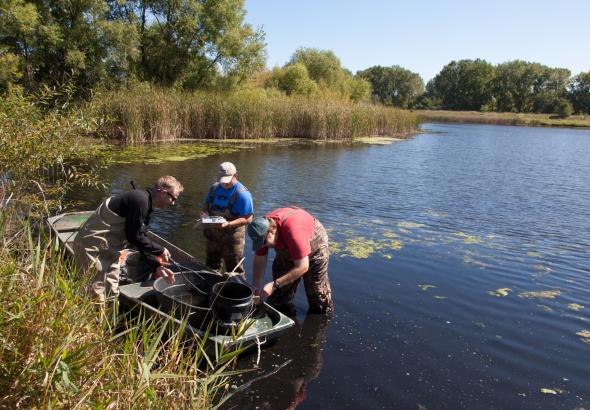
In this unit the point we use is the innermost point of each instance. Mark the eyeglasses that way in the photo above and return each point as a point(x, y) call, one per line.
point(174, 198)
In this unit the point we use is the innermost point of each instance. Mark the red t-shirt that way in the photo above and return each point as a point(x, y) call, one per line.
point(294, 234)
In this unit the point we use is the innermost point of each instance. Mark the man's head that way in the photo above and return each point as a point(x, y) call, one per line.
point(227, 174)
point(263, 232)
point(167, 189)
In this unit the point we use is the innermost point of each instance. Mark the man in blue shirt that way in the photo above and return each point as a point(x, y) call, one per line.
point(232, 200)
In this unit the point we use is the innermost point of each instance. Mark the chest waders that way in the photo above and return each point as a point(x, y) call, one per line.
point(315, 280)
point(98, 244)
point(225, 245)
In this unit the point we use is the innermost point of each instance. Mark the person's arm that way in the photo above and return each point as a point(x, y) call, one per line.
point(258, 268)
point(301, 266)
point(244, 220)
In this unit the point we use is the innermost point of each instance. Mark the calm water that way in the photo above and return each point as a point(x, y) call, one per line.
point(442, 247)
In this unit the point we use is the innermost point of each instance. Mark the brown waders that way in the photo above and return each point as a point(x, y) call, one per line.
point(99, 245)
point(225, 245)
point(315, 280)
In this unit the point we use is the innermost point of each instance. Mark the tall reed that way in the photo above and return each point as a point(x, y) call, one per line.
point(158, 115)
point(57, 351)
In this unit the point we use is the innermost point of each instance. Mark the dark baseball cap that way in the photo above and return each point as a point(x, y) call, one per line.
point(257, 231)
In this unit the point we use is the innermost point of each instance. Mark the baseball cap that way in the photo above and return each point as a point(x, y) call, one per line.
point(226, 171)
point(257, 231)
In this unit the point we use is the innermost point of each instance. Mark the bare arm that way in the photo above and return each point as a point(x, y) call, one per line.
point(301, 266)
point(258, 268)
point(244, 220)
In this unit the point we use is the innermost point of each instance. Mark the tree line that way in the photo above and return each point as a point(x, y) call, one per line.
point(476, 85)
point(206, 45)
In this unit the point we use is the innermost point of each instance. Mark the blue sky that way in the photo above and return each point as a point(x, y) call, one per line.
point(423, 36)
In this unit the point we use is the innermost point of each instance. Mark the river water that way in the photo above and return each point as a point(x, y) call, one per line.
point(460, 267)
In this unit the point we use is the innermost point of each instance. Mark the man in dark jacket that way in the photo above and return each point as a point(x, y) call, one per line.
point(121, 222)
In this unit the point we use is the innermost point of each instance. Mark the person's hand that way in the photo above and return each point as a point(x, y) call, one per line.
point(164, 272)
point(266, 291)
point(165, 256)
point(224, 225)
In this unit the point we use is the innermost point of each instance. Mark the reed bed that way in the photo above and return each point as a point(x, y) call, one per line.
point(164, 115)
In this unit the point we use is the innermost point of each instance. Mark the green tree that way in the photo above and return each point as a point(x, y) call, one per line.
point(294, 79)
point(463, 85)
point(516, 85)
point(74, 39)
point(394, 85)
point(198, 43)
point(322, 65)
point(324, 68)
point(579, 93)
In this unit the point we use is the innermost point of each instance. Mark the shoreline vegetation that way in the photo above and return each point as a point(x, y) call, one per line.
point(56, 348)
point(137, 116)
point(503, 118)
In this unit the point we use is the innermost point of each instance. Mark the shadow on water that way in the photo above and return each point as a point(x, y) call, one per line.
point(299, 358)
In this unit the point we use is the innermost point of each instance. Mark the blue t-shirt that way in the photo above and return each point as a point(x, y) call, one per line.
point(243, 205)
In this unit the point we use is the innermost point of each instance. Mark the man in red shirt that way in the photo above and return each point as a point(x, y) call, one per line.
point(301, 245)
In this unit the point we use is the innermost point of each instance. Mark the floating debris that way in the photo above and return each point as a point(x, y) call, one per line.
point(533, 254)
point(468, 239)
point(390, 234)
point(543, 294)
point(584, 333)
point(546, 308)
point(471, 261)
point(575, 306)
point(410, 225)
point(552, 391)
point(542, 269)
point(440, 297)
point(426, 287)
point(388, 257)
point(500, 292)
point(437, 214)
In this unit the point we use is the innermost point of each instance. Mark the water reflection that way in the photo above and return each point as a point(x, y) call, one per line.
point(300, 351)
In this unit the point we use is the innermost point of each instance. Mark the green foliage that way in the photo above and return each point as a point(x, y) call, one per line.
point(394, 85)
point(310, 71)
point(463, 85)
point(580, 93)
point(563, 108)
point(42, 148)
point(294, 79)
point(182, 43)
point(519, 83)
point(322, 65)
